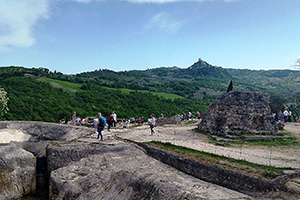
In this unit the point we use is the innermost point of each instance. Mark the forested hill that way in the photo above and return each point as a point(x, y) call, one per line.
point(197, 70)
point(42, 95)
point(187, 82)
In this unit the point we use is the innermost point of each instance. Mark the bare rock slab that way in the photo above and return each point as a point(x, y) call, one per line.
point(128, 173)
point(17, 172)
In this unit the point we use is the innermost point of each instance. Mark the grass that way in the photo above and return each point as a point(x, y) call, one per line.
point(287, 140)
point(56, 144)
point(94, 144)
point(190, 122)
point(74, 87)
point(161, 94)
point(263, 171)
point(134, 126)
point(65, 85)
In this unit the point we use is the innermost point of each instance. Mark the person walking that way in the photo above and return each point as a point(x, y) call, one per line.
point(74, 118)
point(115, 118)
point(100, 126)
point(290, 116)
point(152, 123)
point(110, 121)
point(95, 121)
point(285, 115)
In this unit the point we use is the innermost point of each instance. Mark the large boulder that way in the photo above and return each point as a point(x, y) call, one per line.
point(17, 172)
point(239, 112)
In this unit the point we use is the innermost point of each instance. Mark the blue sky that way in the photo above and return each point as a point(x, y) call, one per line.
point(73, 36)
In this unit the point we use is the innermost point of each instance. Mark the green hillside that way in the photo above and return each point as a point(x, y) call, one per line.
point(39, 94)
point(40, 98)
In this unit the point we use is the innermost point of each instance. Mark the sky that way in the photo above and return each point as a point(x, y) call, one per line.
point(74, 36)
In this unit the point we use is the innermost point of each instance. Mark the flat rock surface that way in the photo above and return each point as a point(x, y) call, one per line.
point(130, 174)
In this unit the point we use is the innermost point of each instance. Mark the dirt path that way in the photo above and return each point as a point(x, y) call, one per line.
point(183, 135)
point(293, 128)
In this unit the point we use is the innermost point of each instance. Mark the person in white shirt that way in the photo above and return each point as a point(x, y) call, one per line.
point(114, 115)
point(285, 115)
point(95, 121)
point(152, 123)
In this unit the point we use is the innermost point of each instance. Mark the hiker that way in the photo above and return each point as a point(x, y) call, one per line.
point(142, 120)
point(198, 114)
point(290, 116)
point(285, 115)
point(152, 123)
point(74, 118)
point(114, 115)
point(100, 125)
point(110, 121)
point(95, 121)
point(124, 123)
point(139, 121)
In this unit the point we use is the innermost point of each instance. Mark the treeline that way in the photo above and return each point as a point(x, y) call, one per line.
point(198, 84)
point(33, 100)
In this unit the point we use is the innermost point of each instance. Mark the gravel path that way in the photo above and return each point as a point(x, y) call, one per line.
point(184, 136)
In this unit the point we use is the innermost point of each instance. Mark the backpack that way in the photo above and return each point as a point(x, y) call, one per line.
point(102, 122)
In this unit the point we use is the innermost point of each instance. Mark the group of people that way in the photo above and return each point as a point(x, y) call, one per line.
point(285, 116)
point(111, 120)
point(139, 120)
point(100, 122)
point(190, 115)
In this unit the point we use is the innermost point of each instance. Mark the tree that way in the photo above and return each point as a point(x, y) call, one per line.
point(297, 62)
point(3, 102)
point(230, 87)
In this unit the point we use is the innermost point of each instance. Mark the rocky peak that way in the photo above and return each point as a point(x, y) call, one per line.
point(200, 64)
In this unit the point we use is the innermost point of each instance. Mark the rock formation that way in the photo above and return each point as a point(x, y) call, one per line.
point(17, 172)
point(112, 169)
point(121, 171)
point(42, 131)
point(239, 112)
point(23, 168)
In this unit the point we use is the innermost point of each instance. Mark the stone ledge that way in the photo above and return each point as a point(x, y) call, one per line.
point(250, 185)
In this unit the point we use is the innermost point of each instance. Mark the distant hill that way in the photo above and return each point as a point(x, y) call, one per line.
point(186, 82)
point(50, 96)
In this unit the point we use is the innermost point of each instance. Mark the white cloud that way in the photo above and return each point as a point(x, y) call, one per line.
point(17, 20)
point(164, 22)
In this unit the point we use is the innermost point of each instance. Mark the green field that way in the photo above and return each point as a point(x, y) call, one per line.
point(66, 86)
point(74, 87)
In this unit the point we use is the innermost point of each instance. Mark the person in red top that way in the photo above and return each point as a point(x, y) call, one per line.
point(139, 120)
point(110, 120)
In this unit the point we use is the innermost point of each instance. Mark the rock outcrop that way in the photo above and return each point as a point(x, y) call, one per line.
point(42, 131)
point(32, 137)
point(17, 172)
point(239, 112)
point(123, 171)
